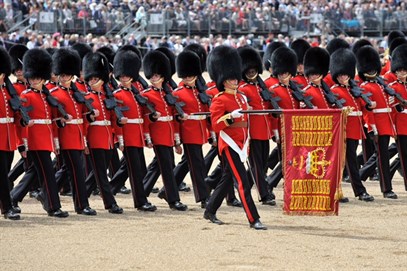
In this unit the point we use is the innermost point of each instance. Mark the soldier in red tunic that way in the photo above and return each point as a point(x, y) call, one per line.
point(38, 139)
point(332, 46)
point(300, 46)
point(131, 136)
point(342, 67)
point(389, 76)
point(272, 80)
point(232, 127)
point(82, 49)
point(8, 141)
point(99, 134)
point(259, 124)
point(161, 133)
point(380, 119)
point(70, 139)
point(399, 68)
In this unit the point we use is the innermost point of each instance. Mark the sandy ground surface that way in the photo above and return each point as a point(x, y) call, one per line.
point(365, 236)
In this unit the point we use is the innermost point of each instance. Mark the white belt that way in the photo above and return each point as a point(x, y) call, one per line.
point(166, 118)
point(101, 123)
point(403, 112)
point(196, 117)
point(75, 121)
point(135, 121)
point(382, 110)
point(42, 121)
point(355, 114)
point(6, 120)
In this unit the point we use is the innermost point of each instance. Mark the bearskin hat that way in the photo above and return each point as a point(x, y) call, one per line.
point(359, 44)
point(82, 49)
point(188, 64)
point(343, 62)
point(156, 62)
point(66, 61)
point(284, 60)
point(200, 51)
point(95, 65)
point(224, 63)
point(171, 57)
point(250, 60)
point(316, 61)
point(368, 59)
point(300, 46)
point(37, 63)
point(396, 43)
point(269, 51)
point(126, 62)
point(5, 66)
point(129, 47)
point(399, 58)
point(16, 53)
point(393, 35)
point(109, 54)
point(335, 44)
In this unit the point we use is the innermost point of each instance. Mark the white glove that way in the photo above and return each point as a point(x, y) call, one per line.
point(391, 100)
point(236, 113)
point(374, 129)
point(121, 141)
point(56, 144)
point(276, 135)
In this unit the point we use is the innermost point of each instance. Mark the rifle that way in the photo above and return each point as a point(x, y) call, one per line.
point(357, 92)
point(299, 96)
point(172, 101)
point(143, 101)
point(391, 91)
point(78, 96)
point(15, 103)
point(111, 102)
point(266, 94)
point(201, 87)
point(331, 97)
point(54, 102)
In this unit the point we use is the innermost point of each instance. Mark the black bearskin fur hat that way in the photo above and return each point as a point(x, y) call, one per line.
point(66, 61)
point(335, 44)
point(5, 66)
point(316, 61)
point(250, 60)
point(224, 63)
point(109, 54)
point(16, 53)
point(188, 64)
point(399, 58)
point(171, 57)
point(368, 59)
point(300, 46)
point(396, 43)
point(126, 62)
point(343, 62)
point(200, 51)
point(37, 63)
point(269, 51)
point(95, 65)
point(156, 62)
point(284, 60)
point(359, 44)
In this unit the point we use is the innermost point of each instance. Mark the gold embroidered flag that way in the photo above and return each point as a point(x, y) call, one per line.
point(313, 148)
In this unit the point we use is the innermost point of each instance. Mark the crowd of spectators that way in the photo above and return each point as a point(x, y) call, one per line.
point(317, 16)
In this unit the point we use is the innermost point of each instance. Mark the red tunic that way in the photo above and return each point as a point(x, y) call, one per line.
point(132, 132)
point(81, 86)
point(328, 80)
point(318, 98)
point(20, 86)
point(386, 67)
point(8, 141)
point(161, 131)
point(400, 117)
point(271, 81)
point(354, 125)
point(260, 125)
point(380, 116)
point(100, 136)
point(212, 91)
point(40, 135)
point(300, 80)
point(71, 137)
point(51, 85)
point(225, 103)
point(390, 77)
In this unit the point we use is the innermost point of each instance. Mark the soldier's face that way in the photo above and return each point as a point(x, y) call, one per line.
point(95, 83)
point(315, 77)
point(300, 68)
point(231, 83)
point(65, 78)
point(36, 83)
point(251, 74)
point(125, 80)
point(284, 78)
point(401, 74)
point(343, 79)
point(156, 79)
point(18, 73)
point(190, 80)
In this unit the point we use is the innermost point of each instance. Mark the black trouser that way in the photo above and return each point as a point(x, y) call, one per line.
point(402, 147)
point(74, 160)
point(119, 179)
point(259, 152)
point(181, 170)
point(165, 161)
point(277, 173)
point(6, 158)
point(136, 165)
point(16, 171)
point(214, 178)
point(233, 168)
point(352, 166)
point(273, 158)
point(114, 164)
point(368, 146)
point(383, 162)
point(100, 161)
point(46, 175)
point(62, 176)
point(369, 167)
point(197, 169)
point(26, 183)
point(153, 173)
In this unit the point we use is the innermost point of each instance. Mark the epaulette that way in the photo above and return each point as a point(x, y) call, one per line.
point(53, 89)
point(117, 90)
point(334, 86)
point(86, 93)
point(275, 86)
point(243, 85)
point(240, 92)
point(178, 88)
point(212, 87)
point(306, 88)
point(146, 90)
point(392, 83)
point(26, 91)
point(364, 83)
point(217, 95)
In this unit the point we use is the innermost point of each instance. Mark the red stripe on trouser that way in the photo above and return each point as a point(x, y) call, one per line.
point(75, 181)
point(45, 181)
point(240, 185)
